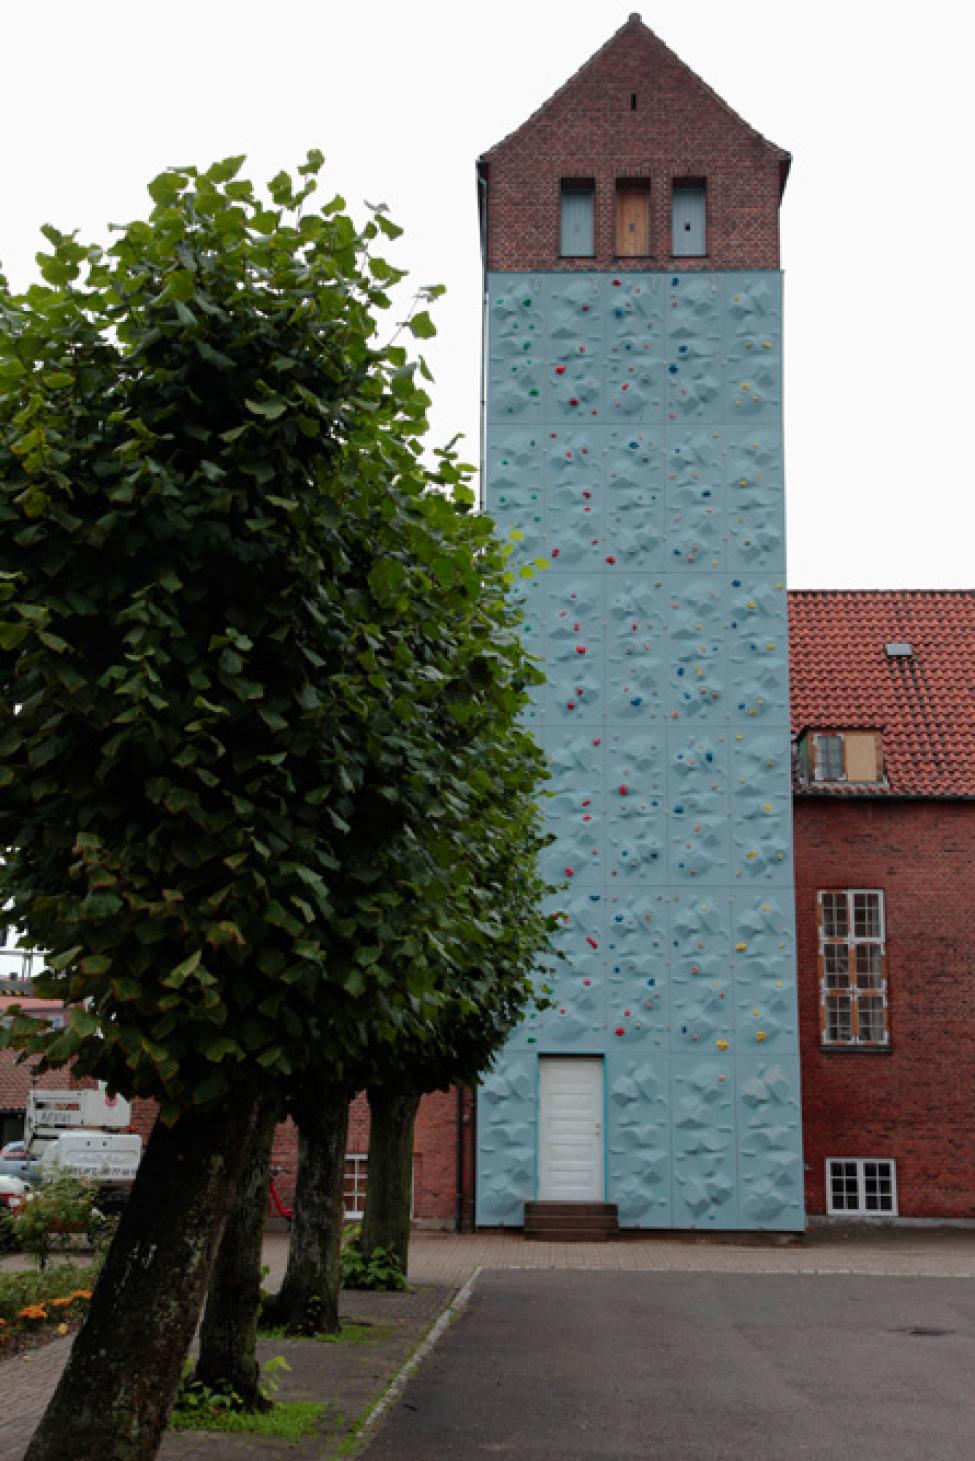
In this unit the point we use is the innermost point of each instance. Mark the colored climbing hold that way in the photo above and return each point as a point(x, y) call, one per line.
point(721, 1044)
point(624, 790)
point(761, 1035)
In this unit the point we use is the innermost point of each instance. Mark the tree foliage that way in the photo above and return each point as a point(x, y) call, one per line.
point(260, 683)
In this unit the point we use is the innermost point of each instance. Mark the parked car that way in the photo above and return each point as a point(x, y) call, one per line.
point(17, 1161)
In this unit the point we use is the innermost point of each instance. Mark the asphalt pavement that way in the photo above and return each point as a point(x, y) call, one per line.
point(637, 1366)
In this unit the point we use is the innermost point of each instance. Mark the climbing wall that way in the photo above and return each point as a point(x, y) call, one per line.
point(634, 443)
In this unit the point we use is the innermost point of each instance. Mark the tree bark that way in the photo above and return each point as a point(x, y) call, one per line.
point(389, 1190)
point(228, 1334)
point(116, 1390)
point(308, 1300)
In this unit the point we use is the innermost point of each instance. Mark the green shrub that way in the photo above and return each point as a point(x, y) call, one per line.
point(381, 1270)
point(59, 1209)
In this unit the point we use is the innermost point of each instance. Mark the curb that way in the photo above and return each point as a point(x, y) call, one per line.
point(397, 1385)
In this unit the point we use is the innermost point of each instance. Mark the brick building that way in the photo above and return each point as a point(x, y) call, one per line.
point(883, 711)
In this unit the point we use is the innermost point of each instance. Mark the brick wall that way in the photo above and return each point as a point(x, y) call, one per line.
point(434, 1155)
point(914, 1103)
point(679, 129)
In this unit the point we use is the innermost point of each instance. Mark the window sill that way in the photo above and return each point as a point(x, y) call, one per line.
point(855, 1049)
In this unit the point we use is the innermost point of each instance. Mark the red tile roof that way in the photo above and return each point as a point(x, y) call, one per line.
point(923, 705)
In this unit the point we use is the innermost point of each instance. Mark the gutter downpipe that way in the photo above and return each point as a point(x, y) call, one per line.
point(482, 212)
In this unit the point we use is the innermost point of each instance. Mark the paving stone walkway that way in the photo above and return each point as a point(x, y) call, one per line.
point(351, 1377)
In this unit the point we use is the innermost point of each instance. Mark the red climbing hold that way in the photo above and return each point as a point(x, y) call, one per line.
point(580, 649)
point(624, 789)
point(568, 872)
point(610, 559)
point(560, 370)
point(573, 401)
point(619, 1030)
point(555, 552)
point(591, 941)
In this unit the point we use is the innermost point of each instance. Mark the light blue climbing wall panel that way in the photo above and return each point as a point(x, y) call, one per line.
point(634, 442)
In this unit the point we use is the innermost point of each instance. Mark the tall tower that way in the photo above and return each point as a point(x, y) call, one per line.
point(633, 439)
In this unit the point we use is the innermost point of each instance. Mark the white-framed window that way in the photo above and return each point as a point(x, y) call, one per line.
point(354, 1185)
point(861, 1187)
point(853, 967)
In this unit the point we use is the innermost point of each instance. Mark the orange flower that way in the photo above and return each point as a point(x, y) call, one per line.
point(60, 1303)
point(80, 1294)
point(63, 1328)
point(32, 1311)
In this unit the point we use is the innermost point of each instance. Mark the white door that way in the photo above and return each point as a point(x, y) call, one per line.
point(570, 1158)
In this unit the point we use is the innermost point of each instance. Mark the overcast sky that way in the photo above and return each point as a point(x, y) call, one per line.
point(873, 99)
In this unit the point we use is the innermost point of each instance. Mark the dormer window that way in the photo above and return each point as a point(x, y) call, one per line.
point(844, 757)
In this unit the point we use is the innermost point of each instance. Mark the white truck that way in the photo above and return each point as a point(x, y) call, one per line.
point(83, 1133)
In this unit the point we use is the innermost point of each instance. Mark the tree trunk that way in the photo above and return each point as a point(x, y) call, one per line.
point(228, 1335)
point(308, 1300)
point(116, 1390)
point(389, 1190)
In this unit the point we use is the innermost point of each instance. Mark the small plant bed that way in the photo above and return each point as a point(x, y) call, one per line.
point(350, 1333)
point(38, 1307)
point(199, 1407)
point(291, 1420)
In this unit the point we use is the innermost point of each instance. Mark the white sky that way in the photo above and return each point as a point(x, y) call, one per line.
point(873, 99)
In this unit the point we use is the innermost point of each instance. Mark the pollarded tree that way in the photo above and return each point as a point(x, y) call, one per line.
point(226, 642)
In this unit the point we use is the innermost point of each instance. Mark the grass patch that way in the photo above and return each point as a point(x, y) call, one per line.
point(291, 1420)
point(348, 1334)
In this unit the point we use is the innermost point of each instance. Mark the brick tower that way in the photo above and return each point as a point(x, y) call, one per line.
point(633, 439)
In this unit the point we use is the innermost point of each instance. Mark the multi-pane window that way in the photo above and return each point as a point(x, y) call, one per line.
point(354, 1185)
point(861, 1186)
point(853, 967)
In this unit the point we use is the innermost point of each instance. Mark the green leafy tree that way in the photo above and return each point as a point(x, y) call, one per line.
point(235, 622)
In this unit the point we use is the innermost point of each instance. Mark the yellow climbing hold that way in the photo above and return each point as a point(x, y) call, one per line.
point(740, 948)
point(721, 1044)
point(766, 806)
point(761, 1035)
point(751, 854)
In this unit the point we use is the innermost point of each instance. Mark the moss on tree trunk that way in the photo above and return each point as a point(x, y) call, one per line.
point(118, 1385)
point(386, 1218)
point(308, 1300)
point(228, 1334)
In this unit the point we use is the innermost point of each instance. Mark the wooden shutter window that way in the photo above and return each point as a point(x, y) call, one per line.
point(632, 220)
